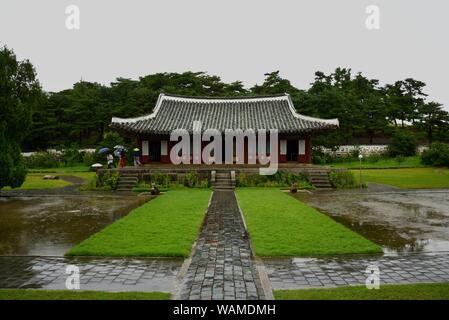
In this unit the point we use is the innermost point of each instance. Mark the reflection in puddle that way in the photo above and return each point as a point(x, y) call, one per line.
point(52, 225)
point(398, 221)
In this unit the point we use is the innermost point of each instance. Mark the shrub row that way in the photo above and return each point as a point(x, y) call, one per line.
point(279, 179)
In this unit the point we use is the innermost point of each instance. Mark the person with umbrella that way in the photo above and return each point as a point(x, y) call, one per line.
point(136, 154)
point(122, 158)
point(109, 157)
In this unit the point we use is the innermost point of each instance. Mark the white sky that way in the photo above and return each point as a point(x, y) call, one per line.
point(234, 39)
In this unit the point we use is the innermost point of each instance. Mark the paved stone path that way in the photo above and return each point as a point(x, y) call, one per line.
point(222, 266)
point(105, 274)
point(300, 273)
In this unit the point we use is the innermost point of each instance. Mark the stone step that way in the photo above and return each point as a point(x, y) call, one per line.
point(128, 179)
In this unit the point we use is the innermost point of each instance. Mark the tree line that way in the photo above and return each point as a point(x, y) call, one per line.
point(81, 115)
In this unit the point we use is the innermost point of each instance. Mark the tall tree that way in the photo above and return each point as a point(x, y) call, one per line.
point(432, 118)
point(20, 92)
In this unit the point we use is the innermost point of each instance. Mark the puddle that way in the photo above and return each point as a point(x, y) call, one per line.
point(49, 226)
point(408, 221)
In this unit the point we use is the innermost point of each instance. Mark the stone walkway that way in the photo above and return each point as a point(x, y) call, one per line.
point(301, 273)
point(222, 265)
point(105, 274)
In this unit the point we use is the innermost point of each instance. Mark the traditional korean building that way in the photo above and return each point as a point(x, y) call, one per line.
point(268, 112)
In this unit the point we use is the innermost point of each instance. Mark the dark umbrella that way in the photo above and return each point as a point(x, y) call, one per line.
point(103, 150)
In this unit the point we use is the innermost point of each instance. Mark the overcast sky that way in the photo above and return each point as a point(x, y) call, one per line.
point(234, 39)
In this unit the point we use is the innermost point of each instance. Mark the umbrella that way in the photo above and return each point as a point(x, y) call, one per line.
point(103, 150)
point(97, 165)
point(119, 147)
point(136, 149)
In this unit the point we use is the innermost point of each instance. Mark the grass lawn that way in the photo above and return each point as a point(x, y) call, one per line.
point(413, 178)
point(165, 226)
point(27, 294)
point(423, 291)
point(36, 181)
point(409, 162)
point(280, 225)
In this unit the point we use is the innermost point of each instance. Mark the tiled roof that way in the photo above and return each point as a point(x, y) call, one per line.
point(178, 112)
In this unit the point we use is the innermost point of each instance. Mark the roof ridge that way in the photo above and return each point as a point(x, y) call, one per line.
point(242, 97)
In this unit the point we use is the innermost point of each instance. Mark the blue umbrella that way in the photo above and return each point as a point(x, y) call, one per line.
point(103, 150)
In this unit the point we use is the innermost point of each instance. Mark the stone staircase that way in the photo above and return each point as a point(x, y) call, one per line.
point(320, 179)
point(127, 181)
point(222, 180)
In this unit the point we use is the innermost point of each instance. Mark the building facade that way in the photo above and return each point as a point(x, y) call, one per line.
point(174, 112)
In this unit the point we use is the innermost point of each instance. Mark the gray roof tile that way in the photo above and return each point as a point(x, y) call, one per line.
point(178, 112)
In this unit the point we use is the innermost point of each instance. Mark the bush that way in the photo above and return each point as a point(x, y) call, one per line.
point(436, 155)
point(279, 179)
point(342, 179)
point(402, 144)
point(373, 158)
point(89, 158)
point(104, 180)
point(71, 156)
point(112, 180)
point(41, 160)
point(190, 179)
point(160, 179)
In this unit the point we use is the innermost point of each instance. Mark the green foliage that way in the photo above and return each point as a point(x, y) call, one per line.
point(279, 179)
point(342, 179)
point(374, 158)
point(436, 155)
point(110, 140)
point(402, 144)
point(111, 180)
point(190, 179)
point(20, 92)
point(103, 181)
point(160, 179)
point(41, 160)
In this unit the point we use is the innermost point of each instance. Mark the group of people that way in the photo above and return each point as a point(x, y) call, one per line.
point(122, 158)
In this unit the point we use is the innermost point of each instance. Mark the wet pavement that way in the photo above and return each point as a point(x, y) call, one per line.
point(222, 266)
point(50, 226)
point(102, 274)
point(301, 273)
point(398, 220)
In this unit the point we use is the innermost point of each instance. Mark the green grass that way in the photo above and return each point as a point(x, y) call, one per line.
point(280, 225)
point(165, 226)
point(385, 163)
point(413, 178)
point(423, 291)
point(28, 294)
point(36, 181)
